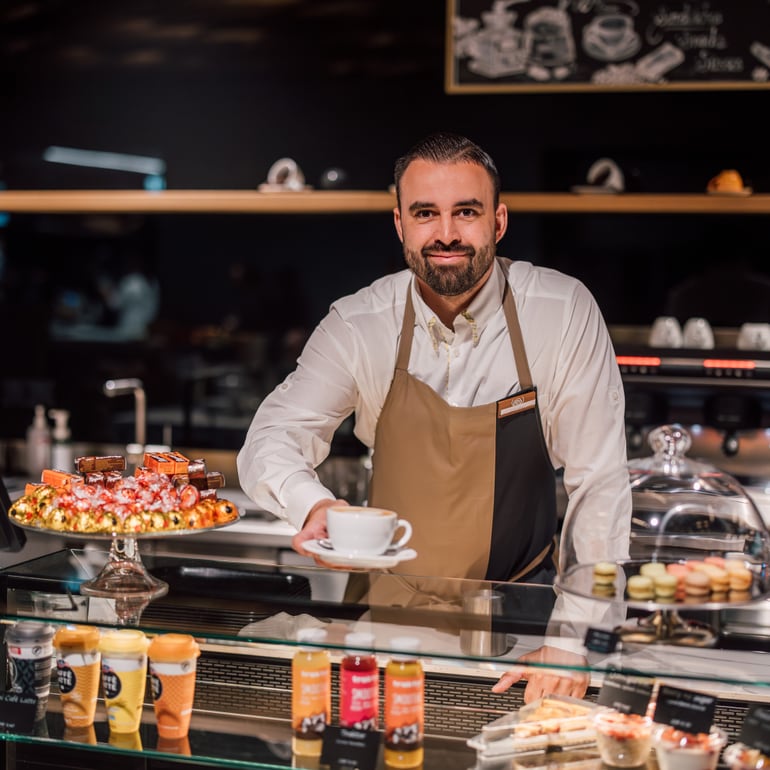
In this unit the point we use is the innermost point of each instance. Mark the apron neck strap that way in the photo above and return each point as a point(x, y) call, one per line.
point(517, 339)
point(514, 331)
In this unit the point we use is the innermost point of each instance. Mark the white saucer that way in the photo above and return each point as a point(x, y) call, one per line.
point(384, 561)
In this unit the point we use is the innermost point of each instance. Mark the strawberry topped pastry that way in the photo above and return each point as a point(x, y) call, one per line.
point(167, 492)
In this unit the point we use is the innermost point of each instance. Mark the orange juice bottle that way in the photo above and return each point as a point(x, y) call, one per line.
point(404, 704)
point(311, 692)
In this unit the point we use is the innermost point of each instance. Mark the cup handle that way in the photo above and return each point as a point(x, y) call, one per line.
point(404, 539)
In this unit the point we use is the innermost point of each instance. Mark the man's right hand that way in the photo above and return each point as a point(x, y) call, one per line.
point(314, 528)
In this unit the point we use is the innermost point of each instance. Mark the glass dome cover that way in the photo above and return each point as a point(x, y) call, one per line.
point(685, 509)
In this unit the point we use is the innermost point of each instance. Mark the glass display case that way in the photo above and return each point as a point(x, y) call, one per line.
point(246, 619)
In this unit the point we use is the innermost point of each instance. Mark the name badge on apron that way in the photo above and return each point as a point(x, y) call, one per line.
point(520, 402)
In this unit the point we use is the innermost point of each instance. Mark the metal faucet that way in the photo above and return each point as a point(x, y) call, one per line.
point(123, 387)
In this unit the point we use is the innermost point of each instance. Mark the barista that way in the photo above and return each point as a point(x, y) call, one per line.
point(473, 377)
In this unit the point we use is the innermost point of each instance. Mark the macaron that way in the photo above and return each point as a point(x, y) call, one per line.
point(697, 583)
point(719, 579)
point(739, 578)
point(652, 568)
point(605, 572)
point(665, 585)
point(640, 587)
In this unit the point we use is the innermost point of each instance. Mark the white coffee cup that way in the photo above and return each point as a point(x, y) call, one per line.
point(360, 530)
point(698, 334)
point(754, 336)
point(666, 333)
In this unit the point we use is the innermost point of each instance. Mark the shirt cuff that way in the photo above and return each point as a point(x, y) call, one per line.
point(299, 498)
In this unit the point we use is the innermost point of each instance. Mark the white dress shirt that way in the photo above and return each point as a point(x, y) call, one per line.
point(347, 366)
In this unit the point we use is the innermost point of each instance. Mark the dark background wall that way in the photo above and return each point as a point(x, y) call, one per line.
point(221, 90)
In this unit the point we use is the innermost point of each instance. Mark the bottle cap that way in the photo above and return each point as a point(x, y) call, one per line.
point(40, 420)
point(61, 431)
point(359, 641)
point(314, 634)
point(404, 647)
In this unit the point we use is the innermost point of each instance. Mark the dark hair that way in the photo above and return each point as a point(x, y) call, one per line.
point(442, 147)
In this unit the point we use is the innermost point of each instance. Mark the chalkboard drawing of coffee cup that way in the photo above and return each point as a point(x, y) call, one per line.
point(549, 43)
point(611, 37)
point(495, 50)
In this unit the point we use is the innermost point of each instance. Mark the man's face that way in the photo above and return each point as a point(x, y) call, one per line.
point(448, 224)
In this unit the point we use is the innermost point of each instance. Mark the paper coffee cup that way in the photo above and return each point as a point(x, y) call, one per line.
point(173, 662)
point(29, 647)
point(124, 677)
point(78, 669)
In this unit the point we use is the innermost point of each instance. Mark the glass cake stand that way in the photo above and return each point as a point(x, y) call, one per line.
point(124, 577)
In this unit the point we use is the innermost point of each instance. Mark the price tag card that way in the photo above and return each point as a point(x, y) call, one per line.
point(629, 695)
point(691, 712)
point(345, 747)
point(17, 712)
point(755, 731)
point(599, 640)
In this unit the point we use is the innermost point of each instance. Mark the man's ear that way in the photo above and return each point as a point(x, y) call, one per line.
point(397, 223)
point(501, 222)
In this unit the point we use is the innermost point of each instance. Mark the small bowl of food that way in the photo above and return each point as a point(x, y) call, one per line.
point(623, 740)
point(679, 750)
point(739, 756)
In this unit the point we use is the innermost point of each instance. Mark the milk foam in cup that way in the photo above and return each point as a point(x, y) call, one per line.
point(78, 669)
point(173, 659)
point(358, 530)
point(29, 647)
point(124, 677)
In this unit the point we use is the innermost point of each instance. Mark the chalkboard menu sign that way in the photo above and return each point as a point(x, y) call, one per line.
point(591, 45)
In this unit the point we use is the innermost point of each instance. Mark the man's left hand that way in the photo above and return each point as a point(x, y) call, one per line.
point(544, 681)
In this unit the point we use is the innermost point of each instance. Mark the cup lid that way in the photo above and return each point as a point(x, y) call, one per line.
point(77, 637)
point(172, 647)
point(129, 640)
point(30, 632)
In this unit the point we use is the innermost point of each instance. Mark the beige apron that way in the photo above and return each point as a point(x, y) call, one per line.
point(475, 482)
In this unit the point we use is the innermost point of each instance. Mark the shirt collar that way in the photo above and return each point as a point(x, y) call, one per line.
point(477, 315)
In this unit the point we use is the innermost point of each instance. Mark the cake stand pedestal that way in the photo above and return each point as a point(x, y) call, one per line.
point(125, 579)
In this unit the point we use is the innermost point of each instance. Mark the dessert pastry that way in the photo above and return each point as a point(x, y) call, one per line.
point(719, 580)
point(640, 587)
point(697, 584)
point(652, 568)
point(726, 181)
point(739, 756)
point(623, 740)
point(678, 750)
point(604, 575)
point(665, 586)
point(739, 578)
point(98, 499)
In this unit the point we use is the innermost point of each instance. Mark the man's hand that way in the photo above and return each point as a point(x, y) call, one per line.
point(314, 528)
point(543, 681)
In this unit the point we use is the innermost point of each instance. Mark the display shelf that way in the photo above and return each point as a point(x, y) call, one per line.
point(358, 202)
point(245, 618)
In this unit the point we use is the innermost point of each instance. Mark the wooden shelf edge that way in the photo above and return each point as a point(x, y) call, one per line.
point(357, 201)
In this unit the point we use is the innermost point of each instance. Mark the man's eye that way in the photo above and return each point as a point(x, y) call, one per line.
point(467, 213)
point(423, 214)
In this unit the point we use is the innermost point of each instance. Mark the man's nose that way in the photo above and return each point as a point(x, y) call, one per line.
point(447, 230)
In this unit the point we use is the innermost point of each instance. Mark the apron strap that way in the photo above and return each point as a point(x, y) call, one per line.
point(534, 563)
point(514, 331)
point(517, 339)
point(407, 334)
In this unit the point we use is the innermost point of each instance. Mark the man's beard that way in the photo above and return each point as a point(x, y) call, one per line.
point(450, 280)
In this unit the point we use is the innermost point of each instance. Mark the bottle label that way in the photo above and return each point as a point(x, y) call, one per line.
point(404, 710)
point(311, 697)
point(359, 693)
